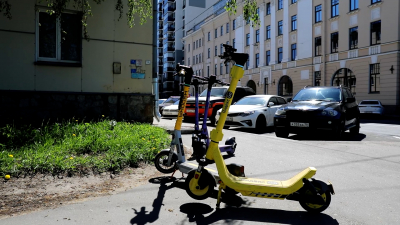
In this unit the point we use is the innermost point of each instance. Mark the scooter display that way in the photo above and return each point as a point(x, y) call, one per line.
point(200, 138)
point(313, 195)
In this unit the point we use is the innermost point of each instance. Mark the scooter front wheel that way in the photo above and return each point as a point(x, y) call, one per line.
point(198, 194)
point(316, 208)
point(161, 162)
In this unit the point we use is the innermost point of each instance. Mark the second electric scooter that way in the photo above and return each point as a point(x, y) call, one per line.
point(313, 195)
point(200, 138)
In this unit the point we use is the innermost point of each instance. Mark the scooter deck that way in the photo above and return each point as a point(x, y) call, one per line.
point(186, 167)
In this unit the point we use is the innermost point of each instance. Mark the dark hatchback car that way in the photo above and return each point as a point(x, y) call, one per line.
point(316, 109)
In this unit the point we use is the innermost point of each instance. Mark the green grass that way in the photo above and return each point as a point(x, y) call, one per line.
point(78, 147)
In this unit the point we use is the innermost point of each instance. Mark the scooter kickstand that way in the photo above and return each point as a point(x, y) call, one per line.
point(219, 196)
point(173, 174)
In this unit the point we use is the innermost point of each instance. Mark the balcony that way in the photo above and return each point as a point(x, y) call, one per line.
point(291, 64)
point(160, 53)
point(160, 45)
point(169, 19)
point(169, 28)
point(169, 69)
point(160, 62)
point(352, 54)
point(317, 60)
point(169, 59)
point(376, 49)
point(160, 70)
point(169, 49)
point(334, 57)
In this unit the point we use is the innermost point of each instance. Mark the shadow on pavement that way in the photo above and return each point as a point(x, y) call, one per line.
point(196, 213)
point(326, 137)
point(378, 120)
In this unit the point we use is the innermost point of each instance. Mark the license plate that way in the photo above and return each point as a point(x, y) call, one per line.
point(229, 118)
point(295, 124)
point(190, 110)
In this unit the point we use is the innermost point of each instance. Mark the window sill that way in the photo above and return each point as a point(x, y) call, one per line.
point(334, 18)
point(64, 64)
point(375, 5)
point(317, 23)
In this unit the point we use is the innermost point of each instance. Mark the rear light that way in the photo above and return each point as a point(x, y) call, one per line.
point(196, 176)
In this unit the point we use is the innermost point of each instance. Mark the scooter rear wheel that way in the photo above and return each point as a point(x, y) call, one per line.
point(198, 194)
point(161, 160)
point(315, 208)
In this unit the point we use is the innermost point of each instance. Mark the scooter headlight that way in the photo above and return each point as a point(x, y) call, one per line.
point(280, 112)
point(246, 113)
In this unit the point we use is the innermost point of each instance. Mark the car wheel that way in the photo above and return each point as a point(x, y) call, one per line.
point(281, 132)
point(261, 124)
point(356, 130)
point(338, 133)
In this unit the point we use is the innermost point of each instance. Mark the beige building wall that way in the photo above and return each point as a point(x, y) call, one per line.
point(302, 70)
point(110, 41)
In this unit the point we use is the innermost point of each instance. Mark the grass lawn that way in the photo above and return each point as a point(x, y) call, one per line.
point(78, 147)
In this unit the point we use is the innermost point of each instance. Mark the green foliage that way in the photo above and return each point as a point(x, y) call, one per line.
point(249, 10)
point(141, 8)
point(78, 147)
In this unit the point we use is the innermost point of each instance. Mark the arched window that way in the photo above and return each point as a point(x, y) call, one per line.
point(252, 84)
point(345, 77)
point(285, 86)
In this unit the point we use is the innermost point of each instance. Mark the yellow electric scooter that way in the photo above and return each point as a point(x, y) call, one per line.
point(313, 195)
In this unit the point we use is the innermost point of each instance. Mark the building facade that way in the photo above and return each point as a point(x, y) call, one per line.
point(302, 43)
point(48, 71)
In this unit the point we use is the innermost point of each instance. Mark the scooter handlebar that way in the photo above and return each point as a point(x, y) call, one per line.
point(230, 56)
point(186, 71)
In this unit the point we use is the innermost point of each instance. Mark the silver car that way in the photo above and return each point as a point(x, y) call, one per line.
point(371, 107)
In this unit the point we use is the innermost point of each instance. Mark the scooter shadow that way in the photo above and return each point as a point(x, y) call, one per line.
point(196, 212)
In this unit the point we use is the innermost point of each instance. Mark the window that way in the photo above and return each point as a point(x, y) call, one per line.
point(222, 30)
point(194, 60)
point(209, 52)
point(280, 54)
point(317, 78)
point(268, 57)
point(209, 36)
point(197, 59)
point(188, 47)
point(208, 71)
point(294, 22)
point(216, 33)
point(194, 45)
point(280, 4)
point(376, 32)
point(258, 12)
point(334, 42)
point(200, 42)
point(221, 49)
point(215, 51)
point(293, 1)
point(233, 43)
point(221, 69)
point(353, 5)
point(257, 62)
point(334, 8)
point(215, 69)
point(353, 38)
point(227, 27)
point(268, 29)
point(247, 64)
point(233, 24)
point(59, 39)
point(375, 1)
point(318, 13)
point(248, 39)
point(197, 44)
point(374, 82)
point(247, 21)
point(268, 9)
point(318, 48)
point(294, 52)
point(257, 36)
point(280, 27)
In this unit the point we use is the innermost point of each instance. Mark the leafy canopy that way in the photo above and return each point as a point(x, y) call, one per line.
point(250, 10)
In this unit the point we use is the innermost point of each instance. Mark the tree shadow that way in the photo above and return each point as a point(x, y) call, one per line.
point(196, 213)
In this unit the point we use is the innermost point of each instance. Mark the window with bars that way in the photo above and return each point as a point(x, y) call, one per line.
point(353, 38)
point(374, 81)
point(376, 32)
point(334, 8)
point(318, 46)
point(334, 42)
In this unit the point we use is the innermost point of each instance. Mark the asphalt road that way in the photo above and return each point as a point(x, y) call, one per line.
point(364, 170)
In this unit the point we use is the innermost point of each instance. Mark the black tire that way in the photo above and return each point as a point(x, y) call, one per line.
point(338, 133)
point(315, 208)
point(281, 133)
point(261, 124)
point(198, 194)
point(356, 130)
point(160, 162)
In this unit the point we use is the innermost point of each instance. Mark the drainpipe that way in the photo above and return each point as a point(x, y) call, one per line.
point(156, 112)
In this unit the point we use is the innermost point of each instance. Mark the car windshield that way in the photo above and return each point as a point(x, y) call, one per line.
point(171, 100)
point(215, 92)
point(252, 101)
point(369, 103)
point(161, 101)
point(319, 94)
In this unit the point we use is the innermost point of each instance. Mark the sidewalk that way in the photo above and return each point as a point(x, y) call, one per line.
point(169, 125)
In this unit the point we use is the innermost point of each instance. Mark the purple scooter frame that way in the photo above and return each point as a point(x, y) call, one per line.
point(200, 138)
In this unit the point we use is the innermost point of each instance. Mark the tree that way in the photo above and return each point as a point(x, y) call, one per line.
point(141, 8)
point(249, 10)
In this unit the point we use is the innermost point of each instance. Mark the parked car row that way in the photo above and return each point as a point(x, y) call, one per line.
point(332, 110)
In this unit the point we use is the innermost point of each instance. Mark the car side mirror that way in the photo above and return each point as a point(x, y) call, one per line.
point(350, 100)
point(271, 104)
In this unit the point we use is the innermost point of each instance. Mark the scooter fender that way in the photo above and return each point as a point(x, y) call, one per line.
point(324, 186)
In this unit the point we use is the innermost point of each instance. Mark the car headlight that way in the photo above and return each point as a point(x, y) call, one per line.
point(246, 113)
point(329, 113)
point(280, 112)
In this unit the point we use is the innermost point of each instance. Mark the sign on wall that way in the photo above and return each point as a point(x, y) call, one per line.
point(136, 71)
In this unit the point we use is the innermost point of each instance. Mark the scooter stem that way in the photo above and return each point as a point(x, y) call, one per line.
point(186, 71)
